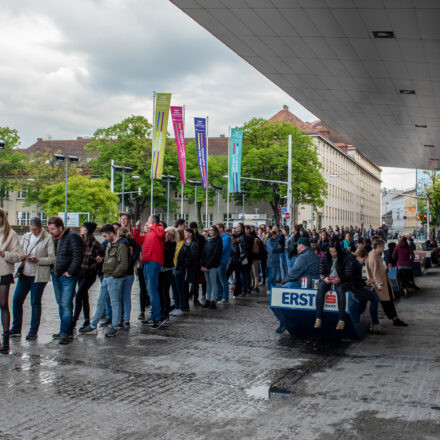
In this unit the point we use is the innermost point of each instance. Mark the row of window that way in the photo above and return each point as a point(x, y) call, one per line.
point(23, 217)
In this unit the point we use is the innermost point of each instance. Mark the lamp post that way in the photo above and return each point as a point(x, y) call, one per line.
point(195, 184)
point(66, 160)
point(123, 171)
point(168, 179)
point(219, 189)
point(243, 195)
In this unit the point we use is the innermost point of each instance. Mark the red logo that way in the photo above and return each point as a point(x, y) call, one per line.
point(330, 299)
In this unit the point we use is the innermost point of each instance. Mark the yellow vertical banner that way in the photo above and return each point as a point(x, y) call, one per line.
point(161, 113)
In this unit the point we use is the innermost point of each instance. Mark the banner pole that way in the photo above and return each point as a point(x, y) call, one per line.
point(227, 203)
point(181, 189)
point(207, 172)
point(151, 170)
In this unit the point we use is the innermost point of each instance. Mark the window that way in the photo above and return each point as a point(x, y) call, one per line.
point(177, 195)
point(21, 195)
point(22, 218)
point(185, 217)
point(210, 220)
point(43, 217)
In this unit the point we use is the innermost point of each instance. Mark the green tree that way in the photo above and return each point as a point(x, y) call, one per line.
point(12, 162)
point(265, 155)
point(432, 192)
point(43, 170)
point(84, 195)
point(128, 143)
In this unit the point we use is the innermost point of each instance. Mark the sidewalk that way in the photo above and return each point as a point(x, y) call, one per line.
point(208, 375)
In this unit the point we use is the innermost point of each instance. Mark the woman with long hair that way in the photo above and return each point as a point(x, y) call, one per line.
point(10, 253)
point(33, 275)
point(93, 257)
point(180, 264)
point(192, 268)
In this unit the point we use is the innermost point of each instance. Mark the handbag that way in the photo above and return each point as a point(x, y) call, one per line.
point(20, 266)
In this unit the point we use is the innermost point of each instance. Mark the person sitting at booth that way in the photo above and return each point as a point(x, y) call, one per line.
point(332, 273)
point(306, 265)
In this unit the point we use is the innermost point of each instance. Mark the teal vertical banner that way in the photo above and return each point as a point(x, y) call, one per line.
point(235, 148)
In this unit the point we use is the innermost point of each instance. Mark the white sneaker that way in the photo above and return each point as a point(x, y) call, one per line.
point(223, 301)
point(179, 312)
point(174, 312)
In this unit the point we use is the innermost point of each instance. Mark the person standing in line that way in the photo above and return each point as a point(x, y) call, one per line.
point(10, 253)
point(166, 272)
point(180, 224)
point(234, 265)
point(153, 249)
point(200, 239)
point(127, 283)
point(211, 257)
point(116, 262)
point(34, 273)
point(180, 266)
point(222, 280)
point(274, 249)
point(192, 268)
point(404, 256)
point(244, 259)
point(377, 273)
point(93, 256)
point(69, 250)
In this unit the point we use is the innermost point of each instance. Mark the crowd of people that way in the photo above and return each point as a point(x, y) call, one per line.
point(178, 266)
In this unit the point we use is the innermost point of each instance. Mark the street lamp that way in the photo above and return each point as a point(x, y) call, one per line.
point(219, 189)
point(243, 195)
point(123, 171)
point(66, 160)
point(168, 179)
point(195, 184)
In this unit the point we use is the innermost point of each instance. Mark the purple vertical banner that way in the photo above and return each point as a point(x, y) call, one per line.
point(200, 129)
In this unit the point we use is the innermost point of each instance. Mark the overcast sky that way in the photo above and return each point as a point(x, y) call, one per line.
point(69, 67)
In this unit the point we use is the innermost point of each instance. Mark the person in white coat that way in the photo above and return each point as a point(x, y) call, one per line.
point(34, 273)
point(10, 253)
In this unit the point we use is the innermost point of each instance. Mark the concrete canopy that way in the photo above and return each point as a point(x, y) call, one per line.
point(325, 55)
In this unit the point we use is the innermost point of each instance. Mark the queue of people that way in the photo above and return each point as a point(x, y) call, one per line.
point(171, 263)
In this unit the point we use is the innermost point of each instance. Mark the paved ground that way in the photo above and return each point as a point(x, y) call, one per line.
point(225, 374)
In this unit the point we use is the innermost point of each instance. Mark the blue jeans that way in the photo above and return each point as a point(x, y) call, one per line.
point(179, 290)
point(272, 275)
point(24, 285)
point(110, 288)
point(211, 284)
point(222, 282)
point(151, 272)
point(283, 265)
point(290, 262)
point(64, 288)
point(125, 310)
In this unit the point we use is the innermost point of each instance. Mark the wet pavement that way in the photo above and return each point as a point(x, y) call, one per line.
point(225, 374)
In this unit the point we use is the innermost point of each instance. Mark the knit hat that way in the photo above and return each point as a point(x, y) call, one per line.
point(304, 240)
point(90, 226)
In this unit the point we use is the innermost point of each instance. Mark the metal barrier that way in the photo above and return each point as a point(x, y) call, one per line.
point(296, 308)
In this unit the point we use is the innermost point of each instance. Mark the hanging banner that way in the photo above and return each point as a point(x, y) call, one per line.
point(235, 147)
point(160, 133)
point(177, 118)
point(200, 128)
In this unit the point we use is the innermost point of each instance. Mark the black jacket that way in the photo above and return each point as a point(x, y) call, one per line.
point(234, 259)
point(212, 252)
point(246, 243)
point(70, 252)
point(325, 266)
point(170, 249)
point(200, 239)
point(353, 273)
point(193, 267)
point(134, 253)
point(183, 259)
point(293, 245)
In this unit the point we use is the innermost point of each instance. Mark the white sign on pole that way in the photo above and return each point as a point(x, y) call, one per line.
point(72, 218)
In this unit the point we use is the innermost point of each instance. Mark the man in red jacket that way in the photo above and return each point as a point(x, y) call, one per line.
point(153, 250)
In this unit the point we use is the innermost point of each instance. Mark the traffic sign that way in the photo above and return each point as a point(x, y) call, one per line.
point(283, 210)
point(287, 215)
point(428, 212)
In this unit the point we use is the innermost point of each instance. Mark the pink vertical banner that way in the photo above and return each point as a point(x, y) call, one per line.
point(177, 118)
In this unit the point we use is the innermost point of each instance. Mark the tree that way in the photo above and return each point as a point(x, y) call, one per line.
point(43, 170)
point(128, 143)
point(433, 194)
point(265, 155)
point(84, 195)
point(12, 162)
